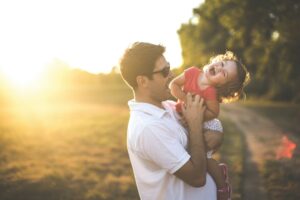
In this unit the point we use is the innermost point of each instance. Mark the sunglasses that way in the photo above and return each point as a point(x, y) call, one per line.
point(164, 71)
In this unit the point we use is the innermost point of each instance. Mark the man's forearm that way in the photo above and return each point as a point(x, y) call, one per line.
point(193, 172)
point(197, 151)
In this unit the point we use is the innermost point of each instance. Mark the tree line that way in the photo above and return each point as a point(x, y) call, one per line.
point(264, 35)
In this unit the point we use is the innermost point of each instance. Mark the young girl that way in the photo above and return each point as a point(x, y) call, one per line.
point(222, 80)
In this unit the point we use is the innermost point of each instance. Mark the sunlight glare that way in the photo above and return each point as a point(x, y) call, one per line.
point(89, 35)
point(23, 75)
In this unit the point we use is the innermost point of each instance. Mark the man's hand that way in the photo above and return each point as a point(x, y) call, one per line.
point(193, 111)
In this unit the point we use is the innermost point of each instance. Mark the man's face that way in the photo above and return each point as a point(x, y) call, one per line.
point(158, 86)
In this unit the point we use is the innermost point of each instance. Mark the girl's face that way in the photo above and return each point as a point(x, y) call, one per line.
point(220, 73)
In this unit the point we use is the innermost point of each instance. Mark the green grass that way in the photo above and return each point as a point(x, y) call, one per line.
point(232, 153)
point(282, 176)
point(285, 115)
point(71, 144)
point(65, 150)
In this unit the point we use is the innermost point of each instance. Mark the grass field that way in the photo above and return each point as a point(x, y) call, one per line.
point(285, 115)
point(231, 152)
point(282, 176)
point(65, 149)
point(73, 146)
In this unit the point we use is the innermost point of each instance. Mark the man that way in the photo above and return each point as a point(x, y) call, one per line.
point(168, 163)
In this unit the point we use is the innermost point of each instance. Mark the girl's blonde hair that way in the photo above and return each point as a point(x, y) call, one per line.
point(232, 90)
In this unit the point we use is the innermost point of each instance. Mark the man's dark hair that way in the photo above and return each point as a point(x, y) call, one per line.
point(139, 59)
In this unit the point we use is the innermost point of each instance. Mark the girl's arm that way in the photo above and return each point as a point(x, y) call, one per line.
point(176, 87)
point(212, 110)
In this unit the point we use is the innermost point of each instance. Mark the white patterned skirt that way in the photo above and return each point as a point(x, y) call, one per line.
point(214, 125)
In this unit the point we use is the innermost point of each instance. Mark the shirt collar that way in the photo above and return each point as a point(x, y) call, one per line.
point(146, 108)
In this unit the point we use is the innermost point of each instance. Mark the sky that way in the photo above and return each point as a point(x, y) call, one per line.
point(86, 34)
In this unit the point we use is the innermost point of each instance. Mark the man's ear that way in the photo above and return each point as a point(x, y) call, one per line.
point(142, 81)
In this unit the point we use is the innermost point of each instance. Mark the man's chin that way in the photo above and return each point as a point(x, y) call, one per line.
point(169, 95)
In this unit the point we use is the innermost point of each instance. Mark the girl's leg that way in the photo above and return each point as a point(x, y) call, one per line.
point(216, 173)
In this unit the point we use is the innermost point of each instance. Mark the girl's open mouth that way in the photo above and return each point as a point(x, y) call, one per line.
point(212, 71)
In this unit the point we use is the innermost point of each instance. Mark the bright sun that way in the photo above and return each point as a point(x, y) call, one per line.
point(25, 76)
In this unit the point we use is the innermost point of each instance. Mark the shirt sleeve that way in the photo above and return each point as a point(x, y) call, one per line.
point(157, 144)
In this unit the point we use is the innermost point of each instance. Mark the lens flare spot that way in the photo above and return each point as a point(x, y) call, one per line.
point(286, 148)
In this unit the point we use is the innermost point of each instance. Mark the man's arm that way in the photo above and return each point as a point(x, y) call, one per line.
point(194, 171)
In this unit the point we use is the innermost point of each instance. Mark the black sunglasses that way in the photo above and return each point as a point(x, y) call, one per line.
point(164, 71)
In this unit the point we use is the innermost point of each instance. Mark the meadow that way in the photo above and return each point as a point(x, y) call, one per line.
point(71, 145)
point(282, 176)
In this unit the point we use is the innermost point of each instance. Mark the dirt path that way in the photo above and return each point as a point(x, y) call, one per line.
point(262, 138)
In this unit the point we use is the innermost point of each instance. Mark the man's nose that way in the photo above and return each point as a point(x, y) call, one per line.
point(171, 75)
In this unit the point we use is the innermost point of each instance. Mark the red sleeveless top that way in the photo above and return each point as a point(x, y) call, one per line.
point(191, 76)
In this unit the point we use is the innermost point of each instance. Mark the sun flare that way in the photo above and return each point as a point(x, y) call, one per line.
point(22, 77)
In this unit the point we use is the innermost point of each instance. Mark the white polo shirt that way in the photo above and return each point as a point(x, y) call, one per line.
point(157, 145)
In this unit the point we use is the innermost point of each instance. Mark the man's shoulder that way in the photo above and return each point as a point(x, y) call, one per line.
point(143, 119)
point(169, 104)
point(139, 121)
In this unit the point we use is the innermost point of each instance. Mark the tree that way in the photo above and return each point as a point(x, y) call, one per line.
point(263, 36)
